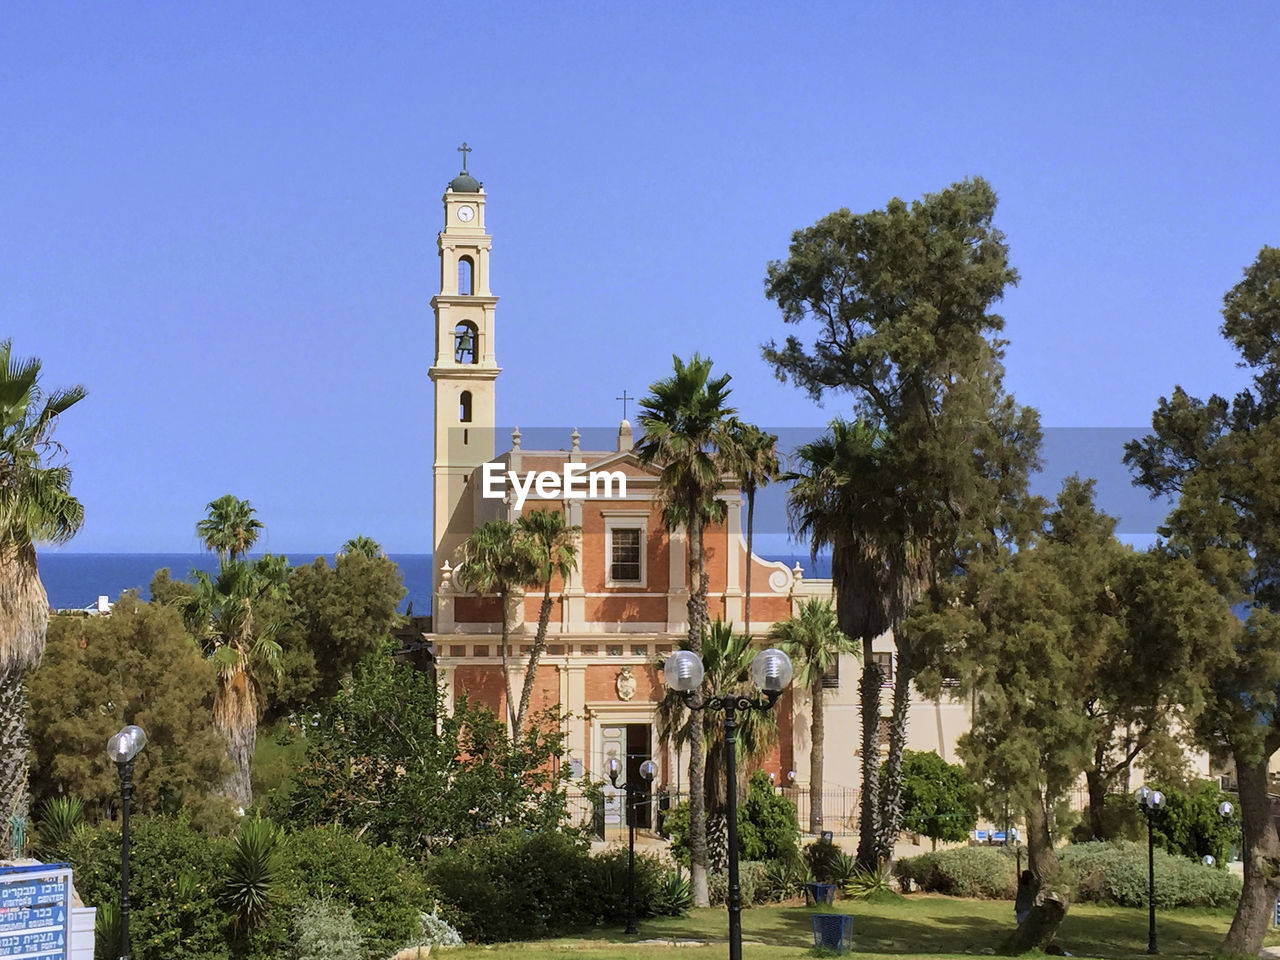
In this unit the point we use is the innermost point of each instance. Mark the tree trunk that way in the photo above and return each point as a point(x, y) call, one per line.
point(869, 813)
point(539, 642)
point(1097, 783)
point(751, 513)
point(817, 749)
point(891, 793)
point(697, 753)
point(13, 763)
point(1040, 926)
point(238, 787)
point(505, 596)
point(1261, 861)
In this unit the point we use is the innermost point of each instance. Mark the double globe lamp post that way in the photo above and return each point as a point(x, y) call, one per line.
point(123, 748)
point(771, 673)
point(1151, 802)
point(631, 793)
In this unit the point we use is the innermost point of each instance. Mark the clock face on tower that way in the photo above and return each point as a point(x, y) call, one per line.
point(465, 213)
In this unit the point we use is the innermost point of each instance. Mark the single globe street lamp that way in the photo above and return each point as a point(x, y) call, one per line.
point(771, 672)
point(122, 748)
point(630, 792)
point(1151, 802)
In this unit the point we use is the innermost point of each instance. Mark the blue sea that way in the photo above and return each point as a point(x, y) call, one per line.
point(76, 580)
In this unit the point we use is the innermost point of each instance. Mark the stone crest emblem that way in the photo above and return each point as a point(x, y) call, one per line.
point(626, 684)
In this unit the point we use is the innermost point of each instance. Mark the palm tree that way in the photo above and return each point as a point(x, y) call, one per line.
point(551, 545)
point(496, 560)
point(222, 616)
point(368, 546)
point(684, 432)
point(753, 458)
point(36, 506)
point(230, 529)
point(813, 639)
point(844, 496)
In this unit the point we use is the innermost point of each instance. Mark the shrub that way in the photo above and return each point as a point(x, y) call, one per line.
point(984, 872)
point(767, 825)
point(510, 885)
point(252, 882)
point(1117, 873)
point(324, 930)
point(937, 797)
point(822, 857)
point(610, 872)
point(752, 885)
point(176, 879)
point(386, 893)
point(435, 931)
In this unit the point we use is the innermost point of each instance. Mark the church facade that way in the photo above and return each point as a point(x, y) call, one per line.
point(624, 608)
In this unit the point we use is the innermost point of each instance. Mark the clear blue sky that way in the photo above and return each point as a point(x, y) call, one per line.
point(221, 218)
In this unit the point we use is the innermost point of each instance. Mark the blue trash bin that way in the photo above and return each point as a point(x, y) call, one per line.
point(833, 931)
point(815, 893)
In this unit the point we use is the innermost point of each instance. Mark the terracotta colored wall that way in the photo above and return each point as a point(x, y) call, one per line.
point(533, 605)
point(657, 558)
point(477, 610)
point(626, 609)
point(482, 684)
point(602, 682)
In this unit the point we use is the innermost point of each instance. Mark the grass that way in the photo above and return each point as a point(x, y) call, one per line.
point(898, 928)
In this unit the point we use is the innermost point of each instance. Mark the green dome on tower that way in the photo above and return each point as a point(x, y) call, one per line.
point(464, 183)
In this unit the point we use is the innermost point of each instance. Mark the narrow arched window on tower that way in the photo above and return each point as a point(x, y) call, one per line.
point(464, 407)
point(466, 268)
point(465, 343)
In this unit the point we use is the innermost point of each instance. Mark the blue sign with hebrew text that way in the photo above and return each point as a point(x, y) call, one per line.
point(35, 912)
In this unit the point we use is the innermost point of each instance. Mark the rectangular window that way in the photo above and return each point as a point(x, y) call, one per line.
point(831, 679)
point(640, 650)
point(885, 662)
point(614, 650)
point(664, 648)
point(555, 649)
point(480, 650)
point(624, 555)
point(526, 648)
point(589, 650)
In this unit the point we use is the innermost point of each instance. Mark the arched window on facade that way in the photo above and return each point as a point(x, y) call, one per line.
point(464, 407)
point(466, 271)
point(466, 344)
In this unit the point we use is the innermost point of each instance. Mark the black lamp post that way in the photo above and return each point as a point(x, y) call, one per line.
point(122, 748)
point(630, 792)
point(771, 672)
point(1151, 802)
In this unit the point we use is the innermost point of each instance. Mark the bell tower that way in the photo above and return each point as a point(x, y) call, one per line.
point(465, 369)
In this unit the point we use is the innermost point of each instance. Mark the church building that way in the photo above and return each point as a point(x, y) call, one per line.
point(618, 615)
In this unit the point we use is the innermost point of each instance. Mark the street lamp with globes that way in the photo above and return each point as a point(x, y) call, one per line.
point(771, 672)
point(1151, 802)
point(122, 748)
point(630, 792)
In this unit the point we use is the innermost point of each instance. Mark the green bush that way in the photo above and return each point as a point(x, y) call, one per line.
point(783, 879)
point(675, 895)
point(1117, 873)
point(176, 881)
point(609, 870)
point(823, 858)
point(324, 930)
point(767, 825)
point(752, 885)
point(984, 872)
point(510, 885)
point(386, 893)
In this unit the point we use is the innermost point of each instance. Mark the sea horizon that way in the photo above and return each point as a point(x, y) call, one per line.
point(75, 580)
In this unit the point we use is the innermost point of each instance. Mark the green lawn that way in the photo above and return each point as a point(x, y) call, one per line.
point(919, 925)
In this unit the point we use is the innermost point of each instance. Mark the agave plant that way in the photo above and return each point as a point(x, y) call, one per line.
point(253, 873)
point(785, 878)
point(864, 883)
point(674, 896)
point(58, 821)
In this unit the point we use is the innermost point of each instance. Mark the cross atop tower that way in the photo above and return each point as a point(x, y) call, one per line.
point(464, 150)
point(624, 398)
